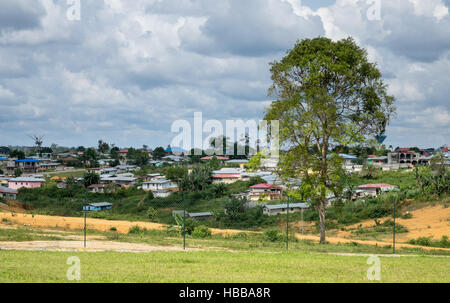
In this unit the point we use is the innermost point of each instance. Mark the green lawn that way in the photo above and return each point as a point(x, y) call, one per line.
point(216, 266)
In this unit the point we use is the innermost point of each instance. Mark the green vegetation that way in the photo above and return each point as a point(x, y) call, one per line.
point(203, 266)
point(327, 93)
point(428, 241)
point(24, 234)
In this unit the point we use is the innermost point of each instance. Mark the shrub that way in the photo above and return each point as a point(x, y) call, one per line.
point(136, 230)
point(272, 235)
point(152, 213)
point(408, 215)
point(428, 241)
point(240, 236)
point(190, 226)
point(422, 241)
point(114, 228)
point(201, 232)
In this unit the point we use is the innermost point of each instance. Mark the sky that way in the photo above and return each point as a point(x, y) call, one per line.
point(124, 70)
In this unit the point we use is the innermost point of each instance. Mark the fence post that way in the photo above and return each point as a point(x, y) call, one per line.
point(85, 201)
point(84, 229)
point(287, 224)
point(393, 238)
point(184, 221)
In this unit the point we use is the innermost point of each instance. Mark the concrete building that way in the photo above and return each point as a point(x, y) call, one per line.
point(265, 192)
point(28, 166)
point(276, 209)
point(121, 181)
point(159, 184)
point(8, 193)
point(98, 206)
point(404, 156)
point(227, 175)
point(21, 182)
point(373, 190)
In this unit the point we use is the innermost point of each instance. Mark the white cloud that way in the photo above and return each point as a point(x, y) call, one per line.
point(127, 69)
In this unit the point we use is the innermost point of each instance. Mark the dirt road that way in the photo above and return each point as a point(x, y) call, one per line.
point(91, 246)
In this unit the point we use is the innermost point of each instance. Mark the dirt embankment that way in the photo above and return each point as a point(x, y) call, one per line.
point(75, 223)
point(431, 221)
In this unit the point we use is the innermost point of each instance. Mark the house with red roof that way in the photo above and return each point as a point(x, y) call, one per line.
point(265, 192)
point(227, 175)
point(8, 193)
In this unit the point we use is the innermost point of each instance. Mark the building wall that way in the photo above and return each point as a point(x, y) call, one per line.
point(17, 185)
point(275, 212)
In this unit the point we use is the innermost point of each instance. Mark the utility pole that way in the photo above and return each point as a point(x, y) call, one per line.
point(393, 238)
point(184, 221)
point(84, 229)
point(302, 222)
point(85, 211)
point(287, 224)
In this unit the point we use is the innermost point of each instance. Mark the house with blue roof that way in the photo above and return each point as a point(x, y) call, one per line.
point(177, 151)
point(28, 166)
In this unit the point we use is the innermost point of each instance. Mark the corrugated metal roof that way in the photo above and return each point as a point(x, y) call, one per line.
point(7, 190)
point(204, 214)
point(376, 186)
point(28, 161)
point(25, 179)
point(100, 204)
point(281, 206)
point(265, 186)
point(227, 176)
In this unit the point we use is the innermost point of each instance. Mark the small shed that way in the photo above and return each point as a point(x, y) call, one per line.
point(202, 216)
point(8, 193)
point(275, 209)
point(97, 206)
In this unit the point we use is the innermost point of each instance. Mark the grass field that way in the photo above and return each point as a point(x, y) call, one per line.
point(217, 267)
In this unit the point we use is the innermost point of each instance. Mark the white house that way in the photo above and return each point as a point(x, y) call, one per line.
point(159, 184)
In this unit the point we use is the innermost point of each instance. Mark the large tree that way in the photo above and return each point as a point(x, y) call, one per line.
point(327, 94)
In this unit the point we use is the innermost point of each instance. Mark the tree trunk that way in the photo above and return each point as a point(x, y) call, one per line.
point(322, 209)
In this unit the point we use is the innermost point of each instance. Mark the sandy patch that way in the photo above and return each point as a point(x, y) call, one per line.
point(431, 221)
point(91, 246)
point(75, 223)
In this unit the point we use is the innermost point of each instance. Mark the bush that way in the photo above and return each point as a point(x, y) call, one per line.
point(422, 241)
point(152, 213)
point(190, 226)
point(114, 228)
point(272, 235)
point(136, 230)
point(428, 241)
point(240, 236)
point(201, 232)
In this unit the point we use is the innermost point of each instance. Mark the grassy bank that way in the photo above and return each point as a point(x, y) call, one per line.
point(204, 266)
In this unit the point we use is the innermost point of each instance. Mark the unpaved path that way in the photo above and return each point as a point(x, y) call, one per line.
point(91, 246)
point(75, 223)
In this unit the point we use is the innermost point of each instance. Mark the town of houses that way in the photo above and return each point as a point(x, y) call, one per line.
point(36, 171)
